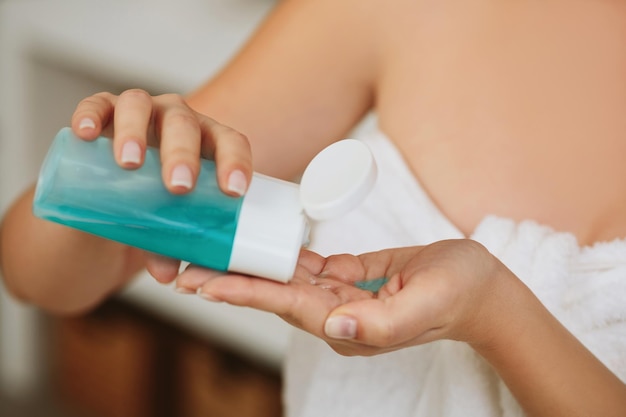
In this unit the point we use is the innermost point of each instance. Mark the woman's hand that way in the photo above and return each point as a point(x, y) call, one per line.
point(440, 291)
point(134, 120)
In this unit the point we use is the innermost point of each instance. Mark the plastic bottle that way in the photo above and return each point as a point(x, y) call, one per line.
point(80, 185)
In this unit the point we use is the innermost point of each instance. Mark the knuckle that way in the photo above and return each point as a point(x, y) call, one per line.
point(173, 98)
point(104, 95)
point(182, 118)
point(386, 335)
point(242, 139)
point(237, 135)
point(231, 133)
point(474, 247)
point(94, 100)
point(136, 94)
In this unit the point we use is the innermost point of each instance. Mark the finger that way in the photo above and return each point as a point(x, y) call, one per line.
point(410, 315)
point(383, 264)
point(92, 115)
point(193, 277)
point(133, 112)
point(311, 261)
point(163, 269)
point(232, 154)
point(305, 308)
point(180, 142)
point(241, 290)
point(298, 301)
point(344, 267)
point(350, 268)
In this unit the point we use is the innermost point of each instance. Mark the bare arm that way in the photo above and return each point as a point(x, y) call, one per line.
point(58, 268)
point(546, 368)
point(303, 81)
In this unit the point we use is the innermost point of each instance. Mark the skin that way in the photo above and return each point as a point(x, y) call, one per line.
point(505, 108)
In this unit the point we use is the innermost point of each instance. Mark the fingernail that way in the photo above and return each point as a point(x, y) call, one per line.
point(207, 297)
point(181, 177)
point(131, 153)
point(237, 182)
point(183, 290)
point(86, 123)
point(340, 327)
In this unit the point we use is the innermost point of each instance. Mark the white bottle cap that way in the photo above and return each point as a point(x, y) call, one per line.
point(337, 179)
point(272, 224)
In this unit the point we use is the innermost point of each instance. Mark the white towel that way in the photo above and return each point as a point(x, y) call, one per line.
point(585, 288)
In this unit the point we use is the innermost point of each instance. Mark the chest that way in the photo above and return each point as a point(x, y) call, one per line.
point(512, 108)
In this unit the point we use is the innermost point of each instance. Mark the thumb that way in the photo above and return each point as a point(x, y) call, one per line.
point(381, 323)
point(409, 314)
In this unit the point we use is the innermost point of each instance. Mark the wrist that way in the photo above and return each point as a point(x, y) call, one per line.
point(545, 367)
point(502, 310)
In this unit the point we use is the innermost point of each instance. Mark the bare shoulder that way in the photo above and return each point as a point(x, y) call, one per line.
point(303, 80)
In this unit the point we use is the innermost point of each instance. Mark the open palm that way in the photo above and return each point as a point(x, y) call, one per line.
point(429, 294)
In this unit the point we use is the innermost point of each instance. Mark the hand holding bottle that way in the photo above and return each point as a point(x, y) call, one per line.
point(134, 120)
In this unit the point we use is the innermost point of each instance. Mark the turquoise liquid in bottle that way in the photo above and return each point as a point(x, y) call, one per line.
point(81, 186)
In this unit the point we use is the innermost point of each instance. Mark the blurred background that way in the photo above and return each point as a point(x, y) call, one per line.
point(149, 351)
